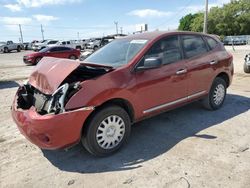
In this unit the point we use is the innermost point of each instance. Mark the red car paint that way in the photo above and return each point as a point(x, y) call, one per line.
point(50, 52)
point(43, 75)
point(146, 93)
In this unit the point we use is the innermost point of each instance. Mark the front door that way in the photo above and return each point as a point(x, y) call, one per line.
point(164, 87)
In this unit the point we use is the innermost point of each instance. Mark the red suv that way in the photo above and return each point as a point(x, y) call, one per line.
point(56, 51)
point(127, 80)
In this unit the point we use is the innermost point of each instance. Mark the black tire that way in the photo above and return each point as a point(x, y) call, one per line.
point(18, 49)
point(210, 102)
point(37, 60)
point(246, 68)
point(5, 50)
point(73, 57)
point(89, 137)
point(95, 48)
point(79, 48)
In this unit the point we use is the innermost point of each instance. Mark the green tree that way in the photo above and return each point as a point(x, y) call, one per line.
point(186, 21)
point(231, 19)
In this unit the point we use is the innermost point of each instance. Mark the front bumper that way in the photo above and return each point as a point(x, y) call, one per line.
point(28, 60)
point(50, 131)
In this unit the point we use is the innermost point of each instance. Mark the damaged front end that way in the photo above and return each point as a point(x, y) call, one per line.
point(29, 96)
point(39, 105)
point(53, 83)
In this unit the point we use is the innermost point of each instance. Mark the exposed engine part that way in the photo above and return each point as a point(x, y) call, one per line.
point(85, 73)
point(30, 96)
point(56, 103)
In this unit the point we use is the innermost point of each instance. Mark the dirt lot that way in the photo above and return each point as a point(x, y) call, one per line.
point(187, 147)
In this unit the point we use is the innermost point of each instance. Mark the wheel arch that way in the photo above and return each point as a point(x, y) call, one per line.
point(123, 103)
point(225, 77)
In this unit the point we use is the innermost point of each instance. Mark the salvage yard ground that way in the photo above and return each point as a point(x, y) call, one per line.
point(186, 147)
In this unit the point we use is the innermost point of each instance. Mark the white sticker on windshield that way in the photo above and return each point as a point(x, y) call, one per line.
point(138, 41)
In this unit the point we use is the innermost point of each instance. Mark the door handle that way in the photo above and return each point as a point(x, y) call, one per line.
point(213, 62)
point(181, 71)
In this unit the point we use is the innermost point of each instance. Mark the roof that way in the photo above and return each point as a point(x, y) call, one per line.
point(156, 34)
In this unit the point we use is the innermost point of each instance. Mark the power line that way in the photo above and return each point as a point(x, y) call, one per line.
point(65, 27)
point(171, 18)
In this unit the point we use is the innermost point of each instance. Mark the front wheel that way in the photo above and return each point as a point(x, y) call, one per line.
point(5, 50)
point(18, 49)
point(216, 96)
point(37, 60)
point(107, 131)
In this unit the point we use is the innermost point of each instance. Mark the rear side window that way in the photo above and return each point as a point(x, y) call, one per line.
point(211, 43)
point(168, 49)
point(193, 45)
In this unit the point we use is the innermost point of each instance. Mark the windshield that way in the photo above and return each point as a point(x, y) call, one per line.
point(117, 53)
point(44, 50)
point(52, 42)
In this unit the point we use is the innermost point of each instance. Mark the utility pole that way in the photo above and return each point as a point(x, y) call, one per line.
point(42, 31)
point(121, 29)
point(78, 35)
point(21, 33)
point(205, 17)
point(116, 26)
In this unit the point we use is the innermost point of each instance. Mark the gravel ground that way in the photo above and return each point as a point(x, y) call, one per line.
point(186, 147)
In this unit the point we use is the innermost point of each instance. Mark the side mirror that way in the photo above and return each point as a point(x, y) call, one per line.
point(151, 63)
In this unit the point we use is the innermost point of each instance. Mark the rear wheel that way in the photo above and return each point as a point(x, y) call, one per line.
point(73, 57)
point(216, 96)
point(107, 131)
point(246, 68)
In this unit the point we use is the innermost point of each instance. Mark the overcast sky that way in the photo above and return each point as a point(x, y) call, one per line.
point(64, 19)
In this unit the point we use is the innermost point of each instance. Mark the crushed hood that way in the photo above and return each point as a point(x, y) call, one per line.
point(50, 72)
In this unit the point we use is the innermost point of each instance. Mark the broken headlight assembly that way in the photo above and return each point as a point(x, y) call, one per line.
point(45, 104)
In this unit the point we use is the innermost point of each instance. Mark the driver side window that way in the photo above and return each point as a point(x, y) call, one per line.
point(167, 49)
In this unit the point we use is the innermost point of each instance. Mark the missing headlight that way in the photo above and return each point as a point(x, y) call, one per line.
point(57, 101)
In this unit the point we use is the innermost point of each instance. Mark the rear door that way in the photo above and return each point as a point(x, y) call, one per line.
point(199, 64)
point(163, 87)
point(59, 52)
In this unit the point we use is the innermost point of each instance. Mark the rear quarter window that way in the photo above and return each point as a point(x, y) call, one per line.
point(193, 45)
point(211, 43)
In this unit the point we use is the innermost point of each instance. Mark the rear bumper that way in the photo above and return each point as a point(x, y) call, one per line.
point(50, 131)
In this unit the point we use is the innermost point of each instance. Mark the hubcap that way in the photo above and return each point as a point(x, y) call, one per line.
point(219, 94)
point(110, 132)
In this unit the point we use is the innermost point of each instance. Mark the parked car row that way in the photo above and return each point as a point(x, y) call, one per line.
point(10, 46)
point(55, 51)
point(236, 40)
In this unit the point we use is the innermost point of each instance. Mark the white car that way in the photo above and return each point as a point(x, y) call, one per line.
point(9, 46)
point(44, 44)
point(72, 44)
